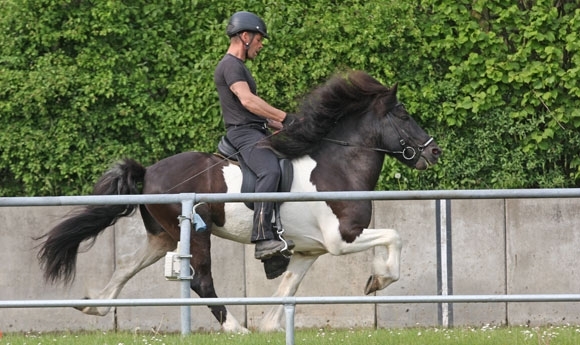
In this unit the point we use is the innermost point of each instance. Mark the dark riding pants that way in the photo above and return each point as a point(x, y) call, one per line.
point(264, 163)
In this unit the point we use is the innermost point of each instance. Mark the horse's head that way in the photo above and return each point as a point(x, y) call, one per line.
point(400, 136)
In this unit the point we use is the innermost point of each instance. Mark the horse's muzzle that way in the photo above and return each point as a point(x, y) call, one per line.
point(429, 156)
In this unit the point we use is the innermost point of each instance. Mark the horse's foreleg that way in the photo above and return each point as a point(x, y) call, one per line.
point(291, 279)
point(386, 263)
point(154, 248)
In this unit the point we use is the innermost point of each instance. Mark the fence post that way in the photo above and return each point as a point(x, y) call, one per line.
point(444, 260)
point(290, 311)
point(184, 252)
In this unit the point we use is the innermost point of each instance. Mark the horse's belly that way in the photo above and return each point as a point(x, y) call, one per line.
point(303, 223)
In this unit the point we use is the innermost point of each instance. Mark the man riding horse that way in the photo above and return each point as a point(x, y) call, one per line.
point(247, 118)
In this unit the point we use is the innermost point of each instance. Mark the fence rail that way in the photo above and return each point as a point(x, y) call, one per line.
point(307, 196)
point(157, 302)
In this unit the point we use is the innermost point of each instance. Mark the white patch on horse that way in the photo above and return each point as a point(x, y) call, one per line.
point(303, 221)
point(239, 218)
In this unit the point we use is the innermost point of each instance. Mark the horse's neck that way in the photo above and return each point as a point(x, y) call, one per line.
point(346, 168)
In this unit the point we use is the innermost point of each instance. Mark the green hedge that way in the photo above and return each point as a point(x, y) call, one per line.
point(84, 83)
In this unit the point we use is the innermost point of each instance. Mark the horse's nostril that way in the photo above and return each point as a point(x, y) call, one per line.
point(436, 152)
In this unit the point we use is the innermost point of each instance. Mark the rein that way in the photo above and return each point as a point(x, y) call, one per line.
point(408, 152)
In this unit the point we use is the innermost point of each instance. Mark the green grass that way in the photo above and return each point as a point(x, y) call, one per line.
point(556, 335)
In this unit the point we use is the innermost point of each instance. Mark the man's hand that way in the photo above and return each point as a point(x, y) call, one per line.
point(275, 125)
point(289, 120)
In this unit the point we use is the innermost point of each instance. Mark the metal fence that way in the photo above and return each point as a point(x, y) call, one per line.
point(188, 200)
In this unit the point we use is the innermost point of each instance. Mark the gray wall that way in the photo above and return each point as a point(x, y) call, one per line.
point(498, 247)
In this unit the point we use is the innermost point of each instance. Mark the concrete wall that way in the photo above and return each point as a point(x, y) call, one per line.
point(497, 247)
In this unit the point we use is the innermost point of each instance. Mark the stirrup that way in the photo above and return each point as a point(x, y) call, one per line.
point(288, 245)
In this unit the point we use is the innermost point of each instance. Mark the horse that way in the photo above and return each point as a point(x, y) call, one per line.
point(346, 127)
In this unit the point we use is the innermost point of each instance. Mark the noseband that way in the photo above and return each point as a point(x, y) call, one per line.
point(408, 152)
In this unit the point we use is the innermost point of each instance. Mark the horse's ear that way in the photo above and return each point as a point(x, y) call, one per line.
point(394, 88)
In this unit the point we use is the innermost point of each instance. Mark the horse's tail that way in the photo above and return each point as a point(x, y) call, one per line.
point(58, 252)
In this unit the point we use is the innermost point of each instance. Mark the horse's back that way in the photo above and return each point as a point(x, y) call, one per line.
point(186, 172)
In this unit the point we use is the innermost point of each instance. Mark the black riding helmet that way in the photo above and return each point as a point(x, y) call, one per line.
point(246, 21)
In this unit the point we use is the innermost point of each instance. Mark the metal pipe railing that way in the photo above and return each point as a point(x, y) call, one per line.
point(306, 196)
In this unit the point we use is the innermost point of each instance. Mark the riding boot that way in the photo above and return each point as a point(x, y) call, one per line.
point(262, 230)
point(267, 242)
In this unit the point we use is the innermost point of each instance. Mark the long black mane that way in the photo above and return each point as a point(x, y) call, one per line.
point(352, 94)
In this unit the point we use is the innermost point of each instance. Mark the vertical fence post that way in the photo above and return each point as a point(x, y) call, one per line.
point(290, 311)
point(184, 252)
point(444, 260)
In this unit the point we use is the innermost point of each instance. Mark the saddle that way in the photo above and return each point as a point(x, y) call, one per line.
point(226, 149)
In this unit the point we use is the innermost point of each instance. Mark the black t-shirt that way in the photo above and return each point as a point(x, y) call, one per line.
point(229, 71)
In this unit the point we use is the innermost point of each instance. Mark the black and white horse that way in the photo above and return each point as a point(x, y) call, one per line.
point(347, 126)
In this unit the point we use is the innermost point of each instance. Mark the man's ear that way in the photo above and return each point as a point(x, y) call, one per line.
point(245, 36)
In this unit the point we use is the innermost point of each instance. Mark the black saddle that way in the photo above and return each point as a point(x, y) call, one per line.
point(226, 149)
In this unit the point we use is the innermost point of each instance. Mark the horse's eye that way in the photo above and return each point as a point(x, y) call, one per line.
point(400, 111)
point(402, 114)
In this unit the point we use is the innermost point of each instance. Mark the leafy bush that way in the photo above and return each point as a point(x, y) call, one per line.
point(83, 84)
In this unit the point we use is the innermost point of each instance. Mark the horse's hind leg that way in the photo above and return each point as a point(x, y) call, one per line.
point(202, 282)
point(154, 248)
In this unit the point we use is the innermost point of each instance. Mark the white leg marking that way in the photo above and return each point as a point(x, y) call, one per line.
point(291, 279)
point(387, 264)
point(233, 326)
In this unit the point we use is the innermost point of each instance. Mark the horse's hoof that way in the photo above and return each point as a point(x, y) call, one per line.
point(241, 330)
point(371, 286)
point(232, 326)
point(271, 329)
point(88, 310)
point(93, 310)
point(376, 283)
point(270, 323)
point(85, 310)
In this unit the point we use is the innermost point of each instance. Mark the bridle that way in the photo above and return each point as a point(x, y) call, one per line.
point(408, 152)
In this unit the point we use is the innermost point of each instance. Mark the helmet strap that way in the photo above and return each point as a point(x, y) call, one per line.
point(247, 45)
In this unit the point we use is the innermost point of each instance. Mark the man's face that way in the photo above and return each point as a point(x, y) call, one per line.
point(255, 43)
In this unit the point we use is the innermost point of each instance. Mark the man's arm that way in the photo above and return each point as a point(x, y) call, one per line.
point(255, 104)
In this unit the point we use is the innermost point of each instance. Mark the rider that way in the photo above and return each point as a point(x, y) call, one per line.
point(247, 118)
